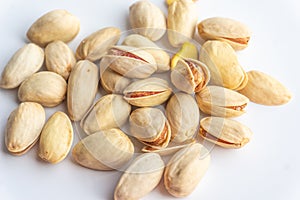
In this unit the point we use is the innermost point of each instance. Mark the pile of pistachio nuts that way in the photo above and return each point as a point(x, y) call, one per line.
point(213, 83)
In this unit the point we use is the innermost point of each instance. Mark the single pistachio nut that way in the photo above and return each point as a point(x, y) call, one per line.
point(23, 127)
point(104, 150)
point(54, 25)
point(25, 62)
point(140, 178)
point(224, 132)
point(112, 82)
point(46, 88)
point(96, 45)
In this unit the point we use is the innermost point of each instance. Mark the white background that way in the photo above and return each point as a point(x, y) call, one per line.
point(267, 168)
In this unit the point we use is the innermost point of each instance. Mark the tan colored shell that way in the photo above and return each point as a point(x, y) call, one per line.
point(222, 62)
point(224, 132)
point(140, 178)
point(110, 111)
point(129, 61)
point(222, 102)
point(104, 150)
point(113, 82)
point(147, 19)
point(161, 57)
point(231, 31)
point(23, 127)
point(82, 89)
point(148, 92)
point(56, 138)
point(25, 62)
point(181, 21)
point(54, 25)
point(183, 115)
point(266, 90)
point(97, 44)
point(190, 75)
point(150, 126)
point(185, 170)
point(46, 88)
point(59, 58)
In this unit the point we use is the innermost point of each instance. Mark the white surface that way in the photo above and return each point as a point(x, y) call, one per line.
point(266, 168)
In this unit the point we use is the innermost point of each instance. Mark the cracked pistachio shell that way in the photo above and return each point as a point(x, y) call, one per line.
point(23, 127)
point(190, 75)
point(222, 102)
point(266, 90)
point(161, 57)
point(147, 92)
point(46, 88)
point(181, 21)
point(25, 62)
point(147, 19)
point(222, 62)
point(185, 170)
point(140, 178)
point(224, 132)
point(82, 89)
point(97, 44)
point(104, 150)
point(228, 30)
point(150, 126)
point(113, 82)
point(110, 111)
point(183, 115)
point(54, 25)
point(129, 61)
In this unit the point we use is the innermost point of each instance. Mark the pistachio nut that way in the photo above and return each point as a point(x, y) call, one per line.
point(185, 170)
point(97, 44)
point(148, 92)
point(54, 25)
point(231, 31)
point(112, 82)
point(25, 62)
point(140, 178)
point(110, 111)
point(147, 19)
point(82, 89)
point(105, 150)
point(56, 138)
point(224, 132)
point(266, 90)
point(222, 102)
point(23, 127)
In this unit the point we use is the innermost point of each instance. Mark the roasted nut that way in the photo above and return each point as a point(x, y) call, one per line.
point(112, 82)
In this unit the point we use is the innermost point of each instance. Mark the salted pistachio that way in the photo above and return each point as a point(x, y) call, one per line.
point(183, 115)
point(110, 111)
point(185, 170)
point(140, 178)
point(151, 127)
point(94, 46)
point(161, 57)
point(190, 75)
point(231, 31)
point(56, 138)
point(46, 88)
point(59, 58)
point(147, 19)
point(266, 90)
point(147, 92)
point(129, 61)
point(181, 21)
point(25, 62)
point(222, 62)
point(104, 150)
point(23, 127)
point(82, 89)
point(54, 25)
point(222, 102)
point(224, 132)
point(112, 82)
